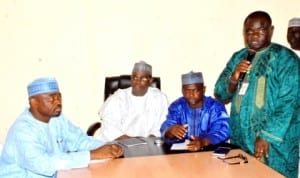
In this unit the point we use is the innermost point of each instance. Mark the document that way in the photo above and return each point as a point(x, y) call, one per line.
point(132, 142)
point(180, 146)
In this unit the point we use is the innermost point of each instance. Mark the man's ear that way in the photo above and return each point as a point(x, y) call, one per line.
point(271, 32)
point(33, 101)
point(151, 80)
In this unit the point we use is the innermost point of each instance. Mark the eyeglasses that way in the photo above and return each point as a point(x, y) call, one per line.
point(231, 160)
point(142, 79)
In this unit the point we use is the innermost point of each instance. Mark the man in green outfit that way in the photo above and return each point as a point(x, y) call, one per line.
point(264, 95)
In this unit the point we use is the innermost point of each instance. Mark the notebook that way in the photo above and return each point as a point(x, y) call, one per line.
point(180, 146)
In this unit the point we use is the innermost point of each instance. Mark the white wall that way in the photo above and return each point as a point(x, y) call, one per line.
point(82, 41)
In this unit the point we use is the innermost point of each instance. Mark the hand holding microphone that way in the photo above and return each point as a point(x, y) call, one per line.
point(250, 56)
point(240, 70)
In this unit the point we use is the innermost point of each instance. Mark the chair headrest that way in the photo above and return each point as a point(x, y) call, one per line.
point(113, 83)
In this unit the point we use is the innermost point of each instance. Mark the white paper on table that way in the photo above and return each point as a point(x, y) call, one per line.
point(99, 160)
point(180, 146)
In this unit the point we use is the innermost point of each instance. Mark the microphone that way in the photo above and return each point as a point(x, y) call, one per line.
point(250, 56)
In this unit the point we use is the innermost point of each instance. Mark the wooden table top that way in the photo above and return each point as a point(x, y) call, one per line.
point(183, 165)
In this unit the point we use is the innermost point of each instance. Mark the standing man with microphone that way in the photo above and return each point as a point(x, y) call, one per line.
point(264, 107)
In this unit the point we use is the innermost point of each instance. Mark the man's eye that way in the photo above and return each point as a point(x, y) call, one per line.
point(145, 79)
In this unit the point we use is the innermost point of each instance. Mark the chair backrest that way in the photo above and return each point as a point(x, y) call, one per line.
point(113, 83)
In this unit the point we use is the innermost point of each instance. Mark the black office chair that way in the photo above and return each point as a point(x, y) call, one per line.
point(123, 81)
point(112, 84)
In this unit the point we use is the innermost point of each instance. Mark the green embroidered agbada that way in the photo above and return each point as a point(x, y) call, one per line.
point(269, 108)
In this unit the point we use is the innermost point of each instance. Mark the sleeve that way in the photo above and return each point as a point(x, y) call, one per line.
point(173, 118)
point(222, 85)
point(283, 100)
point(219, 125)
point(40, 152)
point(162, 109)
point(111, 117)
point(76, 140)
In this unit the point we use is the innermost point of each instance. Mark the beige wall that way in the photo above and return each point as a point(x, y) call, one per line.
point(82, 41)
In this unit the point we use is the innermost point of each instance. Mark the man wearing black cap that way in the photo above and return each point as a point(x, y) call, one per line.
point(42, 140)
point(135, 111)
point(195, 117)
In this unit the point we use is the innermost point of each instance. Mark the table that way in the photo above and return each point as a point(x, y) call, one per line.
point(184, 165)
point(158, 161)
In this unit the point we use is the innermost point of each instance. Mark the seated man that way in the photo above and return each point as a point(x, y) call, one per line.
point(42, 140)
point(135, 111)
point(203, 120)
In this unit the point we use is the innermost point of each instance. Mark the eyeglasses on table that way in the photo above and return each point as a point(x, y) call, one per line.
point(242, 159)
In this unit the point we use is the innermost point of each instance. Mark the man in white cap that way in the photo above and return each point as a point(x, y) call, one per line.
point(293, 34)
point(42, 140)
point(293, 38)
point(195, 117)
point(137, 111)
